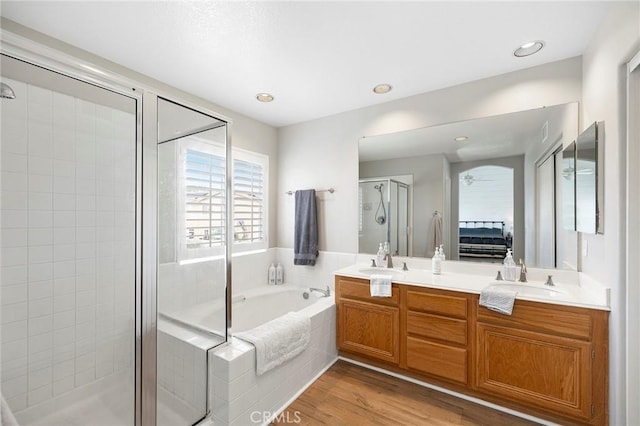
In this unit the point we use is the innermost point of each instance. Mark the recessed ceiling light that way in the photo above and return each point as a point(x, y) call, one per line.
point(461, 138)
point(528, 48)
point(382, 88)
point(264, 97)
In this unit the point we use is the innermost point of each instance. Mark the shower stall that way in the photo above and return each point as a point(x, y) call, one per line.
point(115, 219)
point(383, 206)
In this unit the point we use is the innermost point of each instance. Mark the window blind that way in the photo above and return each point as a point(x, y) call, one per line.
point(248, 201)
point(205, 199)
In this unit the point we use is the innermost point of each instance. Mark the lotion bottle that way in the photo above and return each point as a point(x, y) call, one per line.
point(380, 256)
point(272, 274)
point(436, 263)
point(279, 274)
point(441, 252)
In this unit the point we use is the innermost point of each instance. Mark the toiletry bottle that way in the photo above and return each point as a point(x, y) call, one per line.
point(509, 267)
point(279, 274)
point(436, 263)
point(380, 257)
point(441, 251)
point(386, 247)
point(272, 274)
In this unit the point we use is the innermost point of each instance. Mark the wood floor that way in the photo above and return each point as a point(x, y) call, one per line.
point(352, 396)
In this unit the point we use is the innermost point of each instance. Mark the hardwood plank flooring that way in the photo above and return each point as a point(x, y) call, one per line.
point(351, 395)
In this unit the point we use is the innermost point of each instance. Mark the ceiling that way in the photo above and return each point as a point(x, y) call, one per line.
point(497, 136)
point(315, 58)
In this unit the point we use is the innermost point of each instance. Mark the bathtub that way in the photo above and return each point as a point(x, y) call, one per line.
point(237, 395)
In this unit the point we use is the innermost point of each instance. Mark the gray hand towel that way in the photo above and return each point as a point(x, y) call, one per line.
point(305, 244)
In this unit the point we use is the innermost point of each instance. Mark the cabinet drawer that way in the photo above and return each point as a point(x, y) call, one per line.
point(555, 319)
point(442, 304)
point(436, 359)
point(437, 327)
point(353, 288)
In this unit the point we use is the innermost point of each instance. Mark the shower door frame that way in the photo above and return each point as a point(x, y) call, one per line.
point(406, 187)
point(45, 56)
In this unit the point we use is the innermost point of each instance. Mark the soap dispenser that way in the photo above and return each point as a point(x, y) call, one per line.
point(510, 268)
point(436, 262)
point(380, 256)
point(441, 252)
point(279, 274)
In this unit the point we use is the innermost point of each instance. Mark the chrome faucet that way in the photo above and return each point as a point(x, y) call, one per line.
point(387, 257)
point(325, 293)
point(523, 272)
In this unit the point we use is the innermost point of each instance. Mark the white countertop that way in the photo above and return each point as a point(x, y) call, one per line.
point(571, 288)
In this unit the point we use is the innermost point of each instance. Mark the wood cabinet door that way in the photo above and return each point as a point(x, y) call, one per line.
point(537, 369)
point(369, 329)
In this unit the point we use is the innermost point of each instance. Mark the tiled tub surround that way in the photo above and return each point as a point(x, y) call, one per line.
point(68, 251)
point(240, 397)
point(182, 372)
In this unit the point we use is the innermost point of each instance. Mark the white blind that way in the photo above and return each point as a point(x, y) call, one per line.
point(205, 200)
point(248, 201)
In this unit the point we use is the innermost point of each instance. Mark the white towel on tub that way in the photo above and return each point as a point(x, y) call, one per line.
point(278, 340)
point(380, 285)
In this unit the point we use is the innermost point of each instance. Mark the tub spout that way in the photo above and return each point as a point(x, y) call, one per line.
point(325, 293)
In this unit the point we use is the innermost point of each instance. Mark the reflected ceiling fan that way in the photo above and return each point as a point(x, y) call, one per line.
point(567, 172)
point(468, 179)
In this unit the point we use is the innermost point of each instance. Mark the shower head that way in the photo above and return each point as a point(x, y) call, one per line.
point(378, 187)
point(6, 92)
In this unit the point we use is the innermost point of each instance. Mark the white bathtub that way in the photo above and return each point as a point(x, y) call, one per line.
point(239, 397)
point(249, 309)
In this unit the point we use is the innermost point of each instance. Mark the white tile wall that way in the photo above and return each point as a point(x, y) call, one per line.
point(68, 200)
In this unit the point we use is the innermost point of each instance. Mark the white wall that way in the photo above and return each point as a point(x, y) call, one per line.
point(324, 152)
point(604, 98)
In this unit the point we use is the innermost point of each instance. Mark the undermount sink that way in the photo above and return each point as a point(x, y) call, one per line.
point(529, 289)
point(394, 273)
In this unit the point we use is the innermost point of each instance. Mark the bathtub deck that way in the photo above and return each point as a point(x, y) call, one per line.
point(351, 395)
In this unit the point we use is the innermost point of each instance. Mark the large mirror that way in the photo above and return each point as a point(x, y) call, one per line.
point(478, 187)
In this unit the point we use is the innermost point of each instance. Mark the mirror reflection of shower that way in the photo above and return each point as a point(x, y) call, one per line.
point(383, 215)
point(381, 212)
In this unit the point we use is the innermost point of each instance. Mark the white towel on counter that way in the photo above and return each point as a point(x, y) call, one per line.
point(278, 340)
point(380, 285)
point(499, 300)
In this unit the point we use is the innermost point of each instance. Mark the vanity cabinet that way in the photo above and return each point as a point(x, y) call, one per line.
point(367, 326)
point(436, 334)
point(548, 356)
point(544, 359)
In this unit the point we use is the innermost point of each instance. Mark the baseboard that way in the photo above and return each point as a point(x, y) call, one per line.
point(450, 392)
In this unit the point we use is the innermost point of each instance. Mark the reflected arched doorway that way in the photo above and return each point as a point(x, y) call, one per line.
point(485, 213)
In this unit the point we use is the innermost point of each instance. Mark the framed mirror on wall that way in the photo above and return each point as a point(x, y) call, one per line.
point(446, 160)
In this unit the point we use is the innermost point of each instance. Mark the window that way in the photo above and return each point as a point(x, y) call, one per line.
point(204, 208)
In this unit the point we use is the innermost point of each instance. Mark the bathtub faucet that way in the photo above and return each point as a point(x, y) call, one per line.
point(325, 293)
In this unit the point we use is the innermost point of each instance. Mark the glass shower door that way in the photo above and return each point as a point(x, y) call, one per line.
point(68, 237)
point(192, 256)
